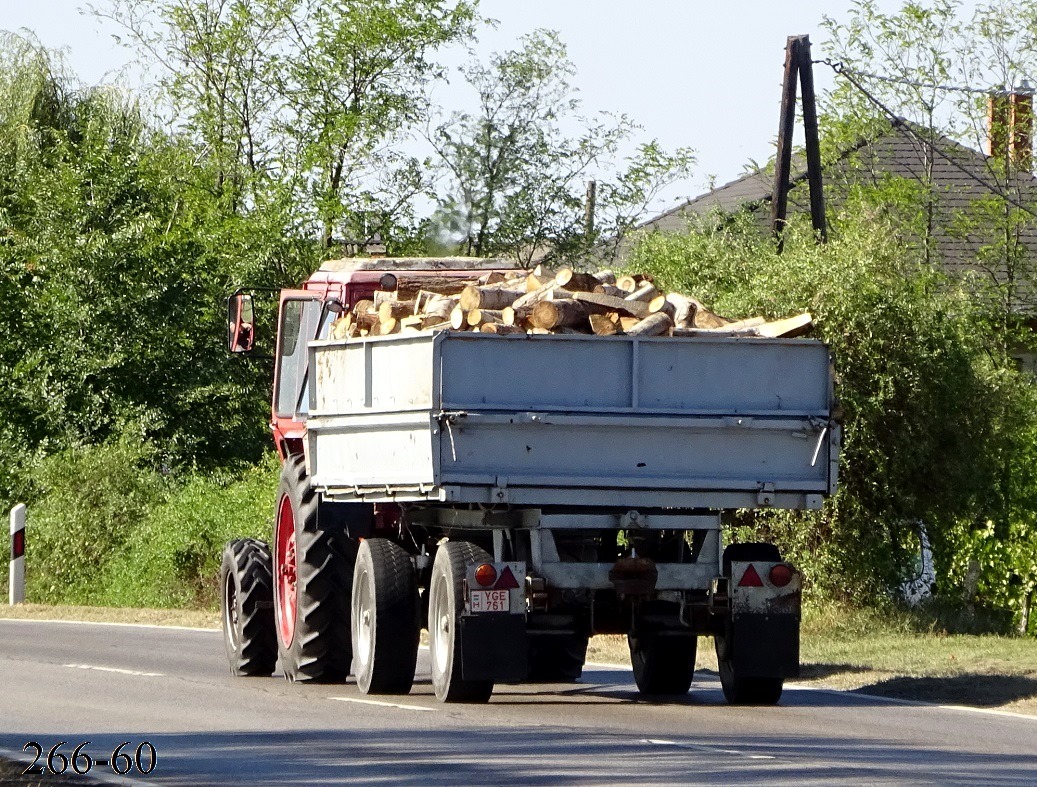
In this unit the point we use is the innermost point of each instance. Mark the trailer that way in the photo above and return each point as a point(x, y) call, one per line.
point(515, 494)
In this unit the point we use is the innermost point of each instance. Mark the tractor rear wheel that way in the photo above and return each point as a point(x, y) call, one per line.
point(247, 607)
point(313, 573)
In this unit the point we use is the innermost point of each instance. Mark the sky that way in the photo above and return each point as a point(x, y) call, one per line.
point(705, 75)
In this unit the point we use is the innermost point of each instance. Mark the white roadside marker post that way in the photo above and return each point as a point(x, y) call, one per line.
point(16, 584)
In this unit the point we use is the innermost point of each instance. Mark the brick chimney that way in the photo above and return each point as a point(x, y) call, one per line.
point(1010, 126)
point(1022, 126)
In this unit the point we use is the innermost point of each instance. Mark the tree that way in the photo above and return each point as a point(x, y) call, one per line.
point(516, 172)
point(923, 427)
point(303, 102)
point(946, 74)
point(114, 266)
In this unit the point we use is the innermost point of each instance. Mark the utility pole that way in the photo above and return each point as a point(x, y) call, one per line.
point(588, 208)
point(798, 67)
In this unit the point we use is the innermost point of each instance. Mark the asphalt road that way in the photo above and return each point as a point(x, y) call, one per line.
point(108, 684)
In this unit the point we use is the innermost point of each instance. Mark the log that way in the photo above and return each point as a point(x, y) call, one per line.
point(548, 290)
point(645, 292)
point(458, 318)
point(395, 309)
point(603, 303)
point(477, 317)
point(500, 330)
point(602, 325)
point(365, 316)
point(626, 323)
point(440, 306)
point(704, 318)
point(626, 283)
point(610, 289)
point(509, 316)
point(652, 325)
point(662, 304)
point(605, 277)
point(489, 297)
point(408, 286)
point(411, 321)
point(493, 277)
point(574, 281)
point(340, 328)
point(788, 328)
point(534, 282)
point(685, 309)
point(551, 315)
point(385, 327)
point(752, 322)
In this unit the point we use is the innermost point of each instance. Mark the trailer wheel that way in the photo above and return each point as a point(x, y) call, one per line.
point(247, 607)
point(313, 573)
point(663, 664)
point(556, 657)
point(739, 689)
point(446, 601)
point(385, 618)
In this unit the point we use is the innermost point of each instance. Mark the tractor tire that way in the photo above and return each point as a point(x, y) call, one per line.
point(662, 664)
point(313, 574)
point(556, 658)
point(446, 602)
point(385, 618)
point(247, 607)
point(740, 689)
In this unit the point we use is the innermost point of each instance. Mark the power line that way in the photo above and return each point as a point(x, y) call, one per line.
point(931, 144)
point(840, 68)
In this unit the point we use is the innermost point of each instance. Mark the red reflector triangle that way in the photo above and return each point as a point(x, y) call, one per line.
point(507, 580)
point(750, 579)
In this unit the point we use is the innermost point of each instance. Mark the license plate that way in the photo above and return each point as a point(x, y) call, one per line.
point(490, 601)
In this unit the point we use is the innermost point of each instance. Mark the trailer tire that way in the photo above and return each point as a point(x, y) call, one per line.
point(313, 574)
point(385, 618)
point(663, 664)
point(556, 658)
point(247, 607)
point(739, 689)
point(446, 602)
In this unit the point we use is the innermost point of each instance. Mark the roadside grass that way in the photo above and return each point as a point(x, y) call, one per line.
point(896, 653)
point(191, 618)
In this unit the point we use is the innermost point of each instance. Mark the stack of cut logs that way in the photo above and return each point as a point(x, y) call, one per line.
point(538, 302)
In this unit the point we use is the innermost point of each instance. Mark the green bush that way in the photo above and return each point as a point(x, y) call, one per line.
point(92, 499)
point(111, 530)
point(173, 558)
point(932, 409)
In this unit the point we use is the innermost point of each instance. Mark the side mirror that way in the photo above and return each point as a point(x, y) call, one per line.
point(241, 331)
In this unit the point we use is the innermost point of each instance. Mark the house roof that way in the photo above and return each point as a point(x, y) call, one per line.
point(960, 176)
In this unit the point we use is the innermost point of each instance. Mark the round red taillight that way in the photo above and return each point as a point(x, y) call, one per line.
point(486, 575)
point(781, 575)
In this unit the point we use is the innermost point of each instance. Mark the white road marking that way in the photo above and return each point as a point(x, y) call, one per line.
point(116, 669)
point(699, 747)
point(912, 703)
point(380, 703)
